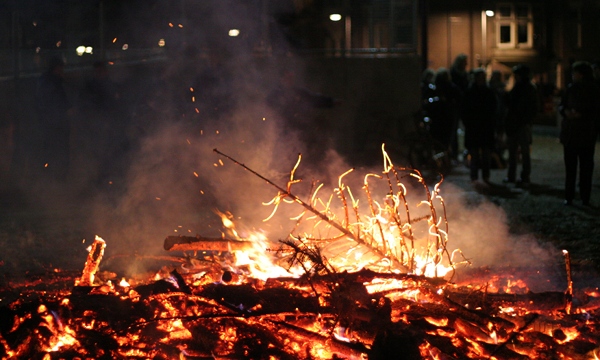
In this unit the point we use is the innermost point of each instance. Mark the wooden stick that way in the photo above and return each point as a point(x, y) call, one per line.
point(199, 243)
point(310, 208)
point(569, 292)
point(92, 263)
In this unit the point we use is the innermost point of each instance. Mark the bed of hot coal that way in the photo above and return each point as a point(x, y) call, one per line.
point(218, 313)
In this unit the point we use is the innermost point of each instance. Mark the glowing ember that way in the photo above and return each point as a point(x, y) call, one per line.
point(361, 275)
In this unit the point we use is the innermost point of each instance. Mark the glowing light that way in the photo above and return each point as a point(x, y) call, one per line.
point(335, 17)
point(89, 50)
point(489, 13)
point(125, 47)
point(234, 32)
point(161, 42)
point(80, 50)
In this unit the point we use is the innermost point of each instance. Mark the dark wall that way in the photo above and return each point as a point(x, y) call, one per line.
point(378, 97)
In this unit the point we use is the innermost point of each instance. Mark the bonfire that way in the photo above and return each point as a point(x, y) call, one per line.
point(367, 274)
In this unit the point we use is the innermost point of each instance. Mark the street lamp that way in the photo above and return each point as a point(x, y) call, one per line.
point(335, 17)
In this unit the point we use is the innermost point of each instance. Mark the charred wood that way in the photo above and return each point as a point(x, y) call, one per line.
point(92, 263)
point(198, 243)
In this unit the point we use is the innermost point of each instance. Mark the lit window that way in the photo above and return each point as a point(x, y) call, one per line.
point(514, 26)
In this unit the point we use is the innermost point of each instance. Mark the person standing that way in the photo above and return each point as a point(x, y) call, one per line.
point(522, 109)
point(458, 72)
point(460, 77)
point(444, 110)
point(478, 115)
point(579, 108)
point(53, 109)
point(497, 84)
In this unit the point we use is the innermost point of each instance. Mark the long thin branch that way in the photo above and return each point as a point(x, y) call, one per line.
point(308, 207)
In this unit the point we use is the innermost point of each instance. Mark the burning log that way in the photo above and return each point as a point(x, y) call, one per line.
point(199, 243)
point(569, 292)
point(92, 263)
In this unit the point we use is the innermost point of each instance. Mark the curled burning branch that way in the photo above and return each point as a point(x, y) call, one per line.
point(383, 238)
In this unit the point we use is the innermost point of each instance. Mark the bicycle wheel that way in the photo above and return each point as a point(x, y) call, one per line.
point(430, 157)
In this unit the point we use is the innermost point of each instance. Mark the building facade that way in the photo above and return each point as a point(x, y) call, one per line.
point(547, 35)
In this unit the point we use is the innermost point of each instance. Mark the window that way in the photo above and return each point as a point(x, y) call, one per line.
point(514, 26)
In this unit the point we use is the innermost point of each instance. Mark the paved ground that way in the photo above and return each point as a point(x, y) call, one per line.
point(538, 222)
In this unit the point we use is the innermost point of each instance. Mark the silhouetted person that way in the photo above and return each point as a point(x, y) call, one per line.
point(478, 116)
point(53, 107)
point(497, 84)
point(522, 108)
point(429, 96)
point(579, 108)
point(460, 77)
point(444, 108)
point(459, 73)
point(427, 77)
point(428, 92)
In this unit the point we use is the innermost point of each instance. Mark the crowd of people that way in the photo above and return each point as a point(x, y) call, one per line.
point(497, 120)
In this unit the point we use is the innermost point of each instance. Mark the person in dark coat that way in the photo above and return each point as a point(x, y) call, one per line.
point(444, 109)
point(53, 107)
point(522, 105)
point(461, 78)
point(497, 84)
point(427, 78)
point(478, 115)
point(458, 72)
point(579, 108)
